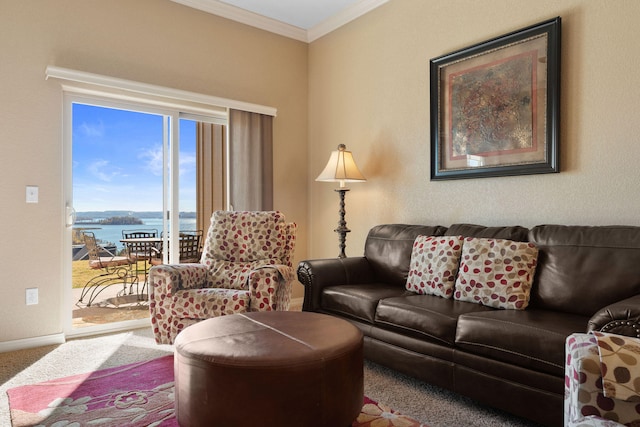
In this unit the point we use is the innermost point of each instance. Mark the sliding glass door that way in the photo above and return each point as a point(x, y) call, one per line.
point(128, 167)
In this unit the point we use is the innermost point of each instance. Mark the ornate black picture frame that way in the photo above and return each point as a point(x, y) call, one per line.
point(495, 106)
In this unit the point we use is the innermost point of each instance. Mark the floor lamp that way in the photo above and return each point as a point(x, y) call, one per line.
point(341, 168)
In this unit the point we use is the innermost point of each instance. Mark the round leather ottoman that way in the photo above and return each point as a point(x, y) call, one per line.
point(278, 368)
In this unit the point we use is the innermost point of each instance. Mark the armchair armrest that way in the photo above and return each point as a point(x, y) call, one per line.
point(622, 318)
point(270, 287)
point(317, 274)
point(583, 388)
point(169, 278)
point(164, 281)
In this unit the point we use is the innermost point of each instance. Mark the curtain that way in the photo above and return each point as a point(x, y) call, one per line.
point(211, 181)
point(250, 161)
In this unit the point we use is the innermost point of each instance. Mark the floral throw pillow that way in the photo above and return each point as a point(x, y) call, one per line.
point(496, 272)
point(434, 265)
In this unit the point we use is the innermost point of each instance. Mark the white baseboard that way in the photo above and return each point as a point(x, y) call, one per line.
point(296, 303)
point(32, 342)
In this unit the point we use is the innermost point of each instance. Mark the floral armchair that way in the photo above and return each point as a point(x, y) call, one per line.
point(602, 380)
point(246, 265)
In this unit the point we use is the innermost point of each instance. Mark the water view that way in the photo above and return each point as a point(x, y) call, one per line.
point(111, 234)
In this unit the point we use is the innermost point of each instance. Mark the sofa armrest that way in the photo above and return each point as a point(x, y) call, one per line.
point(317, 274)
point(622, 318)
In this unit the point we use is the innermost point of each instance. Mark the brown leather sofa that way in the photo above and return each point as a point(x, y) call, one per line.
point(587, 278)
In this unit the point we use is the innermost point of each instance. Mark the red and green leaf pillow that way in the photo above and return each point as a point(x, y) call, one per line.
point(492, 272)
point(434, 265)
point(496, 273)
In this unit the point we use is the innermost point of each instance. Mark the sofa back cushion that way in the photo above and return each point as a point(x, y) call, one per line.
point(513, 232)
point(582, 269)
point(388, 249)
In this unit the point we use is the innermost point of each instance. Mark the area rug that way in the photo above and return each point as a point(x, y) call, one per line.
point(139, 394)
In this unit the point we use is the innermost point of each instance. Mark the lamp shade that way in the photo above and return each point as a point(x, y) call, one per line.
point(341, 168)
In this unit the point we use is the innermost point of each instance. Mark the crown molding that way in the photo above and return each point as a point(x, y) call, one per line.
point(347, 15)
point(243, 16)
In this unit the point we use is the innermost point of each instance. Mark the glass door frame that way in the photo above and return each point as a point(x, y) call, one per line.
point(170, 202)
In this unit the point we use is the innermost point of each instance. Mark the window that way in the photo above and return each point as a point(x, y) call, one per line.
point(158, 164)
point(207, 117)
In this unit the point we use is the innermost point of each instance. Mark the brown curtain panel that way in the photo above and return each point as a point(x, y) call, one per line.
point(250, 161)
point(210, 171)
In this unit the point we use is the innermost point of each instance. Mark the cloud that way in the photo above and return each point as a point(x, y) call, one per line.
point(90, 196)
point(153, 159)
point(103, 170)
point(187, 163)
point(94, 130)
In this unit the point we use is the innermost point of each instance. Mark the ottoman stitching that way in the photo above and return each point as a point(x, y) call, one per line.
point(277, 331)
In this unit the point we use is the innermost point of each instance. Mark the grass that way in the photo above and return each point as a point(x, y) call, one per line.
point(81, 273)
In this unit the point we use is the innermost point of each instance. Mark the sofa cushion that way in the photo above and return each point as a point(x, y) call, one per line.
point(582, 269)
point(434, 265)
point(388, 249)
point(424, 316)
point(496, 272)
point(513, 232)
point(358, 301)
point(533, 339)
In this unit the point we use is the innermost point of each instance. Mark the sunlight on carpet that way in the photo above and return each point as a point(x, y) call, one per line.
point(137, 394)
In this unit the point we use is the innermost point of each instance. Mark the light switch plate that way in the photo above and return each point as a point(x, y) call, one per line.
point(32, 296)
point(32, 194)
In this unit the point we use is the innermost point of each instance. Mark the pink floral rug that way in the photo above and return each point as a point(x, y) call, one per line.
point(139, 394)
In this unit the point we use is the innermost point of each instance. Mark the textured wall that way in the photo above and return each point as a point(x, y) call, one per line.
point(365, 85)
point(369, 89)
point(152, 41)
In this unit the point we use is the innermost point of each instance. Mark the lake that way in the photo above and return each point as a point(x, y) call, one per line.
point(113, 233)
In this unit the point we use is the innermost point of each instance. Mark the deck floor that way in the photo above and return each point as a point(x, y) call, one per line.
point(108, 307)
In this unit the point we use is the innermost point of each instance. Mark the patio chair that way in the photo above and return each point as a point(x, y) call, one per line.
point(190, 248)
point(114, 270)
point(140, 251)
point(246, 265)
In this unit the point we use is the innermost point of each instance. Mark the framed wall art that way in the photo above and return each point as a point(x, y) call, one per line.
point(495, 106)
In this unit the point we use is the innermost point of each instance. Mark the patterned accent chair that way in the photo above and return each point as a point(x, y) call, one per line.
point(602, 380)
point(246, 265)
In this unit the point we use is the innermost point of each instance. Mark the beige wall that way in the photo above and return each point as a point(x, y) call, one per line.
point(369, 89)
point(365, 85)
point(152, 41)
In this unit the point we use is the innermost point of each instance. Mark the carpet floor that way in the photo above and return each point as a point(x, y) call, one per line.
point(137, 395)
point(427, 404)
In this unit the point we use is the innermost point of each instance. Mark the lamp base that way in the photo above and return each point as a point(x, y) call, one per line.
point(342, 229)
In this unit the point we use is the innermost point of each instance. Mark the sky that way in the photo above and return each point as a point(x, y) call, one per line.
point(117, 160)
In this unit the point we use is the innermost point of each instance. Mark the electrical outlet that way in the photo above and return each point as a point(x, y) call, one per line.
point(32, 194)
point(32, 296)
